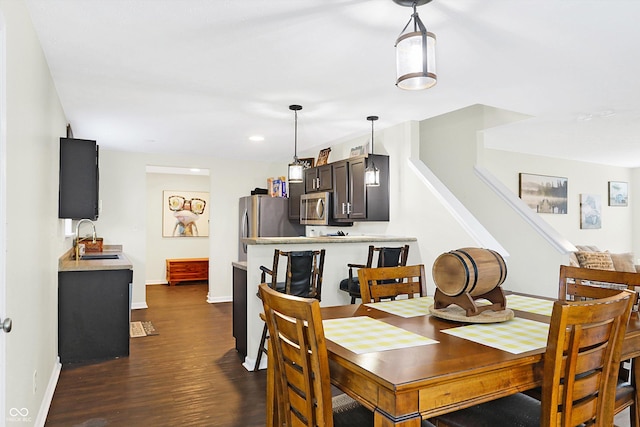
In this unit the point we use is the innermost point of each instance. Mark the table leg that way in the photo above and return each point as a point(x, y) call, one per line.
point(634, 410)
point(381, 420)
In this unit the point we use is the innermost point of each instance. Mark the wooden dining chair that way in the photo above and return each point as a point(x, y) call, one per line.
point(386, 257)
point(580, 371)
point(298, 380)
point(303, 278)
point(390, 282)
point(579, 284)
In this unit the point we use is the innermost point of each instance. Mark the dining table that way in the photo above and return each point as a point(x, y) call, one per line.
point(406, 364)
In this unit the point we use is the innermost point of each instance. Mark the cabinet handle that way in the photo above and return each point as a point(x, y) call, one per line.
point(343, 209)
point(320, 209)
point(317, 183)
point(348, 208)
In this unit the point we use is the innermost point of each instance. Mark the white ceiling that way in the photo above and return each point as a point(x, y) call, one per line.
point(199, 77)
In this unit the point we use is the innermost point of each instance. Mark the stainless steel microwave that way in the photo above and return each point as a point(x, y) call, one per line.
point(315, 208)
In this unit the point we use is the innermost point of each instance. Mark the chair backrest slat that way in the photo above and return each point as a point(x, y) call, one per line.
point(586, 283)
point(298, 359)
point(390, 282)
point(582, 360)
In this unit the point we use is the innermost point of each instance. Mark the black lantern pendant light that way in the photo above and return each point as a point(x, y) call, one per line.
point(372, 173)
point(415, 52)
point(296, 169)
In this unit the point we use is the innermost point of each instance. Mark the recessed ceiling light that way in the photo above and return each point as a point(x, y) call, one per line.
point(256, 138)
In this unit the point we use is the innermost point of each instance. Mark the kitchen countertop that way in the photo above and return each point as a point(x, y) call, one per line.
point(242, 265)
point(67, 263)
point(325, 239)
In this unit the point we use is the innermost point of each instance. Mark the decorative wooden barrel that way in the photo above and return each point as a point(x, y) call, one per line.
point(472, 270)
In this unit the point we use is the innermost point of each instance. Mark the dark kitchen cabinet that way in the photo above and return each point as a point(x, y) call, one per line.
point(79, 179)
point(240, 309)
point(93, 314)
point(295, 190)
point(352, 200)
point(318, 179)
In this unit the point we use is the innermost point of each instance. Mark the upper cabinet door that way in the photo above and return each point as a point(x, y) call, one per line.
point(357, 189)
point(325, 178)
point(318, 179)
point(79, 179)
point(352, 200)
point(340, 190)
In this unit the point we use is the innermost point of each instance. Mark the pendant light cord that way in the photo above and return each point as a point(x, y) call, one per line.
point(371, 136)
point(372, 119)
point(295, 138)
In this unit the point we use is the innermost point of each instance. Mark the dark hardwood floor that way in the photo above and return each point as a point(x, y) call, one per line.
point(188, 375)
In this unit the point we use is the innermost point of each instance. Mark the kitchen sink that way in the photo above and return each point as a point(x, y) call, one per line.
point(87, 257)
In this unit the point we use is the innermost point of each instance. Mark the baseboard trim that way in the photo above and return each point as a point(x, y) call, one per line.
point(139, 305)
point(213, 300)
point(48, 394)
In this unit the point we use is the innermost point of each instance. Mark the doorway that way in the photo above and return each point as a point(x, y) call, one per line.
point(162, 243)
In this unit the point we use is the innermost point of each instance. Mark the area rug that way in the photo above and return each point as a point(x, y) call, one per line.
point(141, 329)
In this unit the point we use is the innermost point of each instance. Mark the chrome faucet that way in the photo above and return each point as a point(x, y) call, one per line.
point(78, 235)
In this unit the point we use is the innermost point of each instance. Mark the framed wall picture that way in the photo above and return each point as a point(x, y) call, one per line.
point(544, 194)
point(323, 157)
point(185, 214)
point(590, 211)
point(618, 193)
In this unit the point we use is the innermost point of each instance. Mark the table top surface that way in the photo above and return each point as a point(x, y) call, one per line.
point(451, 357)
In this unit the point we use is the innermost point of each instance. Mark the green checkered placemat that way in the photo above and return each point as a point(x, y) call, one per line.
point(366, 335)
point(409, 307)
point(530, 305)
point(515, 336)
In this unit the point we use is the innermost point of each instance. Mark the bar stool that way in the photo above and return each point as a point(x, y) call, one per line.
point(303, 279)
point(387, 257)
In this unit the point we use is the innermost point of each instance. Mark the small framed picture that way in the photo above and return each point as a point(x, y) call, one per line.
point(360, 150)
point(618, 193)
point(590, 211)
point(323, 157)
point(307, 162)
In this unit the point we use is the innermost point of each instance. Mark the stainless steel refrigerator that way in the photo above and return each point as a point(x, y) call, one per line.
point(264, 216)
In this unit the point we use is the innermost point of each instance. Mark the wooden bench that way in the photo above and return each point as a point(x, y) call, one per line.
point(187, 270)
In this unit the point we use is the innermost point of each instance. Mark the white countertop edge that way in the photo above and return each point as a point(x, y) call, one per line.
point(325, 239)
point(242, 265)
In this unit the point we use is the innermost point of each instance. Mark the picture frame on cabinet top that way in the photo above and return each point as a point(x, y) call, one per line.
point(307, 162)
point(323, 157)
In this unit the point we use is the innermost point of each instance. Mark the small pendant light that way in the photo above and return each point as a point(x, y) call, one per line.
point(372, 173)
point(296, 169)
point(415, 52)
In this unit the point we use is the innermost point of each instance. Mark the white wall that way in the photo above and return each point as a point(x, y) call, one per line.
point(453, 144)
point(123, 219)
point(35, 237)
point(451, 147)
point(583, 178)
point(160, 248)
